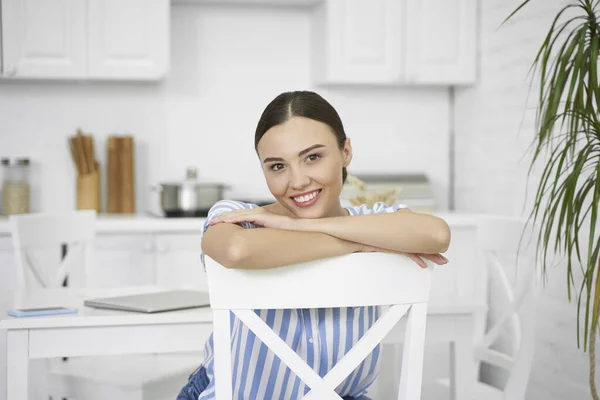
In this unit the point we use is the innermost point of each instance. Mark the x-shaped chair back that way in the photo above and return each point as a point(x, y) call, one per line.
point(508, 249)
point(355, 280)
point(48, 233)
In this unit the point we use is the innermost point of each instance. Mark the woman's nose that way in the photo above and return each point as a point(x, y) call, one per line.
point(299, 180)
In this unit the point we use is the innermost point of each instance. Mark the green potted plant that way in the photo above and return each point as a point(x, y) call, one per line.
point(567, 143)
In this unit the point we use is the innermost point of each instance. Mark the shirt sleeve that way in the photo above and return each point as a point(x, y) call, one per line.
point(378, 208)
point(225, 206)
point(382, 208)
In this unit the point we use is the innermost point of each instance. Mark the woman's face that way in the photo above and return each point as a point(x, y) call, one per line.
point(303, 165)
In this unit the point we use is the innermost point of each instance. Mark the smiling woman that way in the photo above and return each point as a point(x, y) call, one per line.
point(304, 152)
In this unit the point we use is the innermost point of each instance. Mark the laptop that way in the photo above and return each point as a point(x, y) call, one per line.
point(153, 302)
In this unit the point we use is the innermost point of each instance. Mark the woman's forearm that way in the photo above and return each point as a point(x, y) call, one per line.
point(269, 248)
point(399, 231)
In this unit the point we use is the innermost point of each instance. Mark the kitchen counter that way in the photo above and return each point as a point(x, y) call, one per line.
point(138, 223)
point(141, 223)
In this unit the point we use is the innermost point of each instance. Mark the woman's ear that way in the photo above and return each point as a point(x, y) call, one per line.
point(347, 152)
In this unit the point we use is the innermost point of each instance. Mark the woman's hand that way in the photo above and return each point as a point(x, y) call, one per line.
point(257, 216)
point(418, 258)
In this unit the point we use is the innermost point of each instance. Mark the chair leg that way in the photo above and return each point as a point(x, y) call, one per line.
point(412, 359)
point(222, 351)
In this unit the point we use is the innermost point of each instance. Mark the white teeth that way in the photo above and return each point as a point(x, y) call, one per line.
point(305, 198)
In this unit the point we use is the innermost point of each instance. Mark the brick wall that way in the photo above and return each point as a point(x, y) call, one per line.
point(494, 127)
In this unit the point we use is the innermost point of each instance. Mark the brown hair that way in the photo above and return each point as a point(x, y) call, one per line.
point(301, 104)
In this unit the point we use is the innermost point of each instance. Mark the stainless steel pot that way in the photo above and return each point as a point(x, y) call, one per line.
point(188, 198)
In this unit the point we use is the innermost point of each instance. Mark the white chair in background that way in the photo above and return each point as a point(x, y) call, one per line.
point(39, 237)
point(364, 279)
point(509, 341)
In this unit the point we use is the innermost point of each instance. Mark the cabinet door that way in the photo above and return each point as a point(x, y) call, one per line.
point(123, 260)
point(358, 42)
point(441, 41)
point(128, 39)
point(178, 261)
point(43, 38)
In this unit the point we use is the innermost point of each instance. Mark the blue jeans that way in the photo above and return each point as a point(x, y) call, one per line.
point(198, 381)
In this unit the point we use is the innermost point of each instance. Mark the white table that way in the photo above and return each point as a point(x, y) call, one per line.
point(102, 332)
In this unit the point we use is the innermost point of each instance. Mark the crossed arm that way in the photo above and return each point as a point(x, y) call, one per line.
point(285, 241)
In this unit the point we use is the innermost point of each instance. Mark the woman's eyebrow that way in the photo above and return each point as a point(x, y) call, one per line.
point(300, 154)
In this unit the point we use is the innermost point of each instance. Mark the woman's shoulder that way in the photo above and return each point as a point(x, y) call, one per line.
point(377, 208)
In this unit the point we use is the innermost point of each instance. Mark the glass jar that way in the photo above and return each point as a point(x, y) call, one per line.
point(15, 186)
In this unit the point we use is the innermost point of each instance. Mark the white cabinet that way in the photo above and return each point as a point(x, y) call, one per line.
point(123, 260)
point(358, 41)
point(165, 259)
point(394, 42)
point(128, 39)
point(441, 41)
point(178, 262)
point(43, 38)
point(168, 259)
point(85, 39)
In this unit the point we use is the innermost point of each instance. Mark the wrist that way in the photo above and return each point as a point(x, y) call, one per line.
point(304, 224)
point(355, 247)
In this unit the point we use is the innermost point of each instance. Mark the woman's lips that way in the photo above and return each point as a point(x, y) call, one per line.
point(308, 203)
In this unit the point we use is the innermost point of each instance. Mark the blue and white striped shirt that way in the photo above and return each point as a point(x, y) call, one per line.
point(320, 336)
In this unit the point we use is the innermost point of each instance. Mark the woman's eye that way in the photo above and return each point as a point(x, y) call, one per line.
point(313, 157)
point(276, 167)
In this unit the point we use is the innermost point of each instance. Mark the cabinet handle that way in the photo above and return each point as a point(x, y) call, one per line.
point(162, 248)
point(148, 247)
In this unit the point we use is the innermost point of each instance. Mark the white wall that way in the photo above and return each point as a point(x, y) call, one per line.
point(495, 126)
point(227, 64)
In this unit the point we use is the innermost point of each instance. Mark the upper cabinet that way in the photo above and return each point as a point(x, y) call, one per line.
point(128, 39)
point(43, 38)
point(441, 41)
point(85, 39)
point(394, 42)
point(357, 41)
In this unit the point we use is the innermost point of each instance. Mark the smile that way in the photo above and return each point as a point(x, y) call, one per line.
point(308, 199)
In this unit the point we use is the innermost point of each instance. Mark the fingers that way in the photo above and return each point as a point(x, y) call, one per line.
point(417, 259)
point(233, 216)
point(436, 258)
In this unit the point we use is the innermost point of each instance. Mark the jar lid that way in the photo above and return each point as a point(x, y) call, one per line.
point(15, 161)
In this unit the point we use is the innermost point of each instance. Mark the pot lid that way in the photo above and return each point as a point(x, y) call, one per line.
point(191, 174)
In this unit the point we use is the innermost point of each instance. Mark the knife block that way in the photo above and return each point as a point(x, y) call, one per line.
point(88, 191)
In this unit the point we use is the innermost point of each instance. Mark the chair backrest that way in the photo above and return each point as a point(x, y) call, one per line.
point(363, 279)
point(508, 251)
point(45, 234)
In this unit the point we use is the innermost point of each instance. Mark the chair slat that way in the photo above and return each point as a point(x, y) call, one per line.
point(363, 279)
point(411, 374)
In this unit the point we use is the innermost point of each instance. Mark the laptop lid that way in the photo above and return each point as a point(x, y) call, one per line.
point(153, 302)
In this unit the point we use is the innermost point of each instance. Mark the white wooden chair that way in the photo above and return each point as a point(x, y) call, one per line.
point(509, 341)
point(138, 377)
point(363, 279)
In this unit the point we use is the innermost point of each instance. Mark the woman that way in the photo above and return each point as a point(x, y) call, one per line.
point(304, 152)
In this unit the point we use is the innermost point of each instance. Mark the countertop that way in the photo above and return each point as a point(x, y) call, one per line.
point(144, 223)
point(137, 223)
